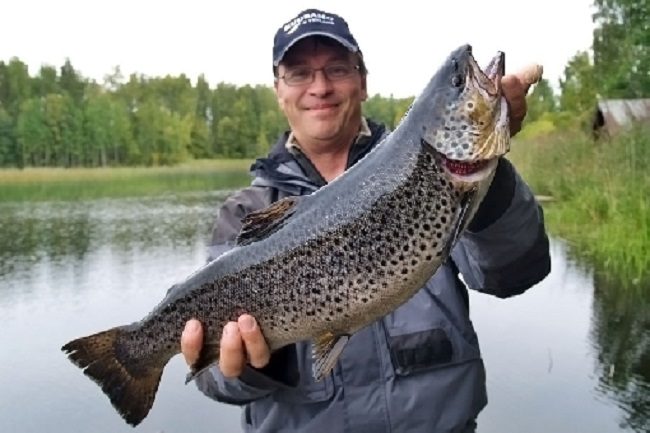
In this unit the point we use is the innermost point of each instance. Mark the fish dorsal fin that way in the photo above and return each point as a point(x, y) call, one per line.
point(325, 351)
point(262, 223)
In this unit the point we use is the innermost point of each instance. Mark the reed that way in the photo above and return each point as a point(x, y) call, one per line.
point(37, 184)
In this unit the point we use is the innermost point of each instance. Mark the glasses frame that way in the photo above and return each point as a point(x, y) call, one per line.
point(313, 71)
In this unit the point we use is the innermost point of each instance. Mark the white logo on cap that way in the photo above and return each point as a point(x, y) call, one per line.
point(310, 17)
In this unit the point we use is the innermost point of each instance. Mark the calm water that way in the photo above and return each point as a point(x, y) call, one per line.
point(571, 355)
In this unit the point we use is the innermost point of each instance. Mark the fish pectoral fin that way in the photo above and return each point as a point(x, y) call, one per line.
point(462, 219)
point(325, 351)
point(262, 223)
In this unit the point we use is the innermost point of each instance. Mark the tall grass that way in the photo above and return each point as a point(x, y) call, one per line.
point(600, 196)
point(35, 184)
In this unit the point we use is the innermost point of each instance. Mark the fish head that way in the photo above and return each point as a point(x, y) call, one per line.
point(466, 124)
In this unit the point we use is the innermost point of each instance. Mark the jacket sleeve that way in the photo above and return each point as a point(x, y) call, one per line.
point(505, 249)
point(282, 370)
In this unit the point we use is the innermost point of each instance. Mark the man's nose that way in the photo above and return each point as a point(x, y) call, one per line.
point(321, 84)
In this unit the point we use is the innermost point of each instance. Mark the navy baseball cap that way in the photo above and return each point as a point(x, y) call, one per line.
point(312, 22)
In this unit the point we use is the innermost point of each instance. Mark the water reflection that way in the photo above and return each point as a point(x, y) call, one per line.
point(69, 231)
point(572, 354)
point(621, 335)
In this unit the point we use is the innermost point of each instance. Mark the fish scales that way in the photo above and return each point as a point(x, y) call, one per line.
point(405, 227)
point(322, 266)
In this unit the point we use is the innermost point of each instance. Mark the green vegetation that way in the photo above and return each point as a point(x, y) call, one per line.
point(82, 183)
point(60, 119)
point(600, 196)
point(57, 118)
point(600, 189)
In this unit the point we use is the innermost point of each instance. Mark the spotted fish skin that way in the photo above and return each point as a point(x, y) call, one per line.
point(320, 267)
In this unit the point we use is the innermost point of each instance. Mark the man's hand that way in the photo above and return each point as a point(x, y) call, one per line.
point(241, 342)
point(515, 86)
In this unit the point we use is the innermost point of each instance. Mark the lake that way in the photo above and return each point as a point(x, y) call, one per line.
point(570, 355)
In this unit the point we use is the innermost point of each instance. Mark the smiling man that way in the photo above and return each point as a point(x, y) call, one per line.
point(419, 368)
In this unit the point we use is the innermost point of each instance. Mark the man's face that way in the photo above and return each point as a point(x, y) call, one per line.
point(323, 110)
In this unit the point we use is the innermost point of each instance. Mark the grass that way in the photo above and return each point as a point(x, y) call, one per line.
point(36, 184)
point(600, 197)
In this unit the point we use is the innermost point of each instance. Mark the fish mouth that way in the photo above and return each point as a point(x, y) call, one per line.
point(462, 171)
point(467, 172)
point(461, 168)
point(488, 79)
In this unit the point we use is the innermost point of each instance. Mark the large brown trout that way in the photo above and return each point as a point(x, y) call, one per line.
point(320, 267)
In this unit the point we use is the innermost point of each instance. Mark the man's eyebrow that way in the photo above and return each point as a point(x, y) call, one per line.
point(302, 60)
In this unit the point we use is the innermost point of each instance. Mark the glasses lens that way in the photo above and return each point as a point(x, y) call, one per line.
point(298, 75)
point(338, 71)
point(302, 75)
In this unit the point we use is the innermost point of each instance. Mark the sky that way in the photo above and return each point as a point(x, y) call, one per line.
point(403, 42)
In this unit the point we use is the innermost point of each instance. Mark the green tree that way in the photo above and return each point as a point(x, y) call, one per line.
point(579, 87)
point(46, 81)
point(541, 100)
point(72, 83)
point(201, 125)
point(31, 133)
point(223, 99)
point(622, 48)
point(15, 85)
point(8, 156)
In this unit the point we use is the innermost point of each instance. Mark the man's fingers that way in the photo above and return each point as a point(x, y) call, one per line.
point(231, 352)
point(256, 348)
point(530, 75)
point(192, 341)
point(515, 93)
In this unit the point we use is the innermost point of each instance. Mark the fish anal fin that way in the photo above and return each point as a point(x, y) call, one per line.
point(262, 223)
point(207, 357)
point(326, 350)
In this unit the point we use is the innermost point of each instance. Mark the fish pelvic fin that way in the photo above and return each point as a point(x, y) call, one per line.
point(462, 219)
point(325, 351)
point(130, 385)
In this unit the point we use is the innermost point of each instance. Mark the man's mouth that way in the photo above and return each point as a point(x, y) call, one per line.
point(322, 107)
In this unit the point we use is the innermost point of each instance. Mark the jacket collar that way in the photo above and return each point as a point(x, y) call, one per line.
point(288, 169)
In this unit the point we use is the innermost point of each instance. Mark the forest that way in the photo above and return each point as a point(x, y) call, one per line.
point(55, 117)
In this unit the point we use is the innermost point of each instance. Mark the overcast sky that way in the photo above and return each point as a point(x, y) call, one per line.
point(403, 41)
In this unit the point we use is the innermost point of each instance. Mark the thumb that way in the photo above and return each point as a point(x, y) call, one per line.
point(530, 74)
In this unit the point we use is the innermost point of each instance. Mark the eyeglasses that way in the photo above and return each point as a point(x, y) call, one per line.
point(303, 75)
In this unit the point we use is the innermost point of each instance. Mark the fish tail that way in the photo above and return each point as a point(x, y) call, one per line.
point(129, 382)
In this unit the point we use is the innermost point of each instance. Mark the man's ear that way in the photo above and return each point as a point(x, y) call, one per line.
point(277, 95)
point(364, 89)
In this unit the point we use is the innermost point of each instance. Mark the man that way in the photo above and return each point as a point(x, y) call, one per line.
point(419, 368)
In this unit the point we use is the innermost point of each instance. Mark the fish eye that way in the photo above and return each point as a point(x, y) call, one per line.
point(456, 80)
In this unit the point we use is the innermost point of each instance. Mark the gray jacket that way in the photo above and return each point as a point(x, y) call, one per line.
point(418, 369)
